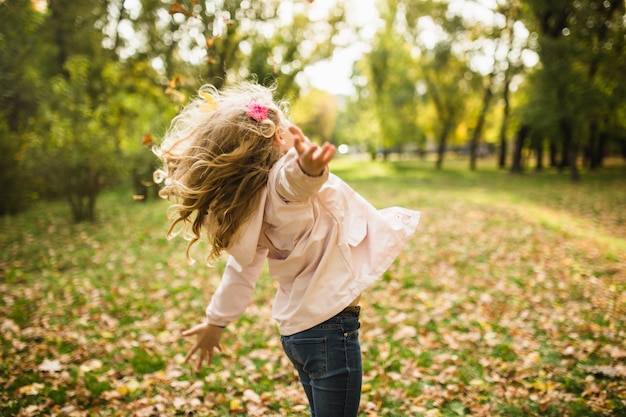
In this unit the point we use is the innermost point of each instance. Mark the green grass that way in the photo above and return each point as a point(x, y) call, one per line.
point(504, 303)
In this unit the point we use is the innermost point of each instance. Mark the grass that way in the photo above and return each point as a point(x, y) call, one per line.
point(509, 301)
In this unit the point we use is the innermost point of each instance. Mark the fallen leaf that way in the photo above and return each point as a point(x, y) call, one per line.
point(607, 371)
point(251, 396)
point(91, 365)
point(235, 406)
point(32, 389)
point(50, 366)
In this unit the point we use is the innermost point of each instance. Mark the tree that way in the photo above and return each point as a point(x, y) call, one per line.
point(500, 44)
point(579, 42)
point(77, 156)
point(444, 44)
point(391, 71)
point(358, 123)
point(448, 82)
point(107, 65)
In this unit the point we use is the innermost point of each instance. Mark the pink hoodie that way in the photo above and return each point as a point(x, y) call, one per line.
point(325, 245)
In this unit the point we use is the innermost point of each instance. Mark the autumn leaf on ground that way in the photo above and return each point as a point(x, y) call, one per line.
point(50, 366)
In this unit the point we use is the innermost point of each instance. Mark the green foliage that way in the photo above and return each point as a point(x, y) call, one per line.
point(574, 97)
point(83, 83)
point(20, 92)
point(358, 123)
point(77, 155)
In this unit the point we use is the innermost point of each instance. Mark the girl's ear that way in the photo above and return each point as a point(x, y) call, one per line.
point(278, 140)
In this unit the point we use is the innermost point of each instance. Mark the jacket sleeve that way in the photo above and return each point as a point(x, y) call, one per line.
point(293, 184)
point(235, 290)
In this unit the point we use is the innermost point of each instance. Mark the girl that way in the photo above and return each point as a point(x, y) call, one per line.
point(258, 189)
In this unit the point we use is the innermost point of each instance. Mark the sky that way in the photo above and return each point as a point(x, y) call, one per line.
point(333, 75)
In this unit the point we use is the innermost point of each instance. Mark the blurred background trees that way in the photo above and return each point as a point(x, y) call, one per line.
point(86, 87)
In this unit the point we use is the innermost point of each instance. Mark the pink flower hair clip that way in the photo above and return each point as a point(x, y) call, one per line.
point(256, 111)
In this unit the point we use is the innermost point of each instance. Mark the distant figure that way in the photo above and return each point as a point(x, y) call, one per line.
point(241, 174)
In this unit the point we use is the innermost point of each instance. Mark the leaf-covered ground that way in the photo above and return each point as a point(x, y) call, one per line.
point(509, 301)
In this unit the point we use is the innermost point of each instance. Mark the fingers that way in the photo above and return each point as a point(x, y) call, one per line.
point(310, 150)
point(208, 353)
point(327, 152)
point(208, 340)
point(296, 132)
point(193, 350)
point(298, 143)
point(201, 355)
point(194, 330)
point(321, 155)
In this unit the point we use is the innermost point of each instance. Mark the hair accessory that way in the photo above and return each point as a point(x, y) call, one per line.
point(256, 110)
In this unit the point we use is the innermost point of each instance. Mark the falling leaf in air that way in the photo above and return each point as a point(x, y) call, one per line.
point(210, 41)
point(172, 84)
point(178, 8)
point(146, 139)
point(210, 102)
point(171, 90)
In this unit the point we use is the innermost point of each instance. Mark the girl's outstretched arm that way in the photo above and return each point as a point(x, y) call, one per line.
point(312, 158)
point(208, 339)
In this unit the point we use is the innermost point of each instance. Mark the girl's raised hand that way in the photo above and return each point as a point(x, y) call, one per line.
point(208, 340)
point(313, 158)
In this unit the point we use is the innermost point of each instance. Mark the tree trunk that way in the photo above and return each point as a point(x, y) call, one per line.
point(570, 150)
point(573, 157)
point(595, 149)
point(565, 150)
point(518, 147)
point(481, 122)
point(553, 154)
point(441, 148)
point(82, 193)
point(503, 127)
point(538, 145)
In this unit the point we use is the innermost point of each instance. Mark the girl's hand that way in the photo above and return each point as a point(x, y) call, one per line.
point(313, 158)
point(208, 340)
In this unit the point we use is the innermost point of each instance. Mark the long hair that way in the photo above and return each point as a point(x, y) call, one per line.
point(216, 161)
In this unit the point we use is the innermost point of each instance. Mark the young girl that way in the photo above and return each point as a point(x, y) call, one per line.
point(258, 189)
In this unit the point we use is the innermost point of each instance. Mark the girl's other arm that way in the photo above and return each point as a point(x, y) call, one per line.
point(228, 303)
point(208, 340)
point(312, 158)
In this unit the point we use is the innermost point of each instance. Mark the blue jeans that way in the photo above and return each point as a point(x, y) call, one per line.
point(328, 360)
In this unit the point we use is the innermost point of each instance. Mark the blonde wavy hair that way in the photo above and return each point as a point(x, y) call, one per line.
point(216, 161)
